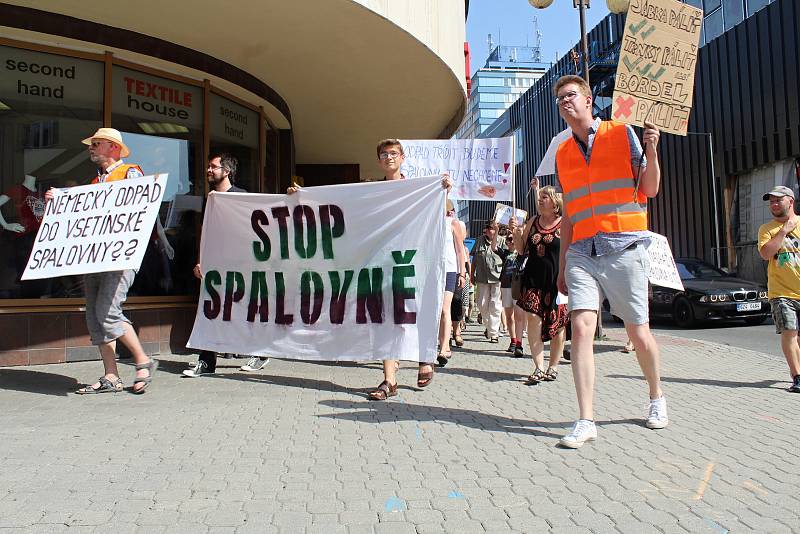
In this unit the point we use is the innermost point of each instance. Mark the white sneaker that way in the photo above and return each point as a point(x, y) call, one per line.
point(657, 413)
point(255, 364)
point(583, 430)
point(199, 369)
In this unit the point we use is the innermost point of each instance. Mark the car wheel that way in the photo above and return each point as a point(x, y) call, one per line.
point(682, 313)
point(753, 321)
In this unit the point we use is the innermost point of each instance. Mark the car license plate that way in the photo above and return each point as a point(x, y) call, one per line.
point(748, 306)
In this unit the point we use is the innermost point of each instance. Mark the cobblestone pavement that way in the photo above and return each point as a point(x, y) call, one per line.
point(298, 448)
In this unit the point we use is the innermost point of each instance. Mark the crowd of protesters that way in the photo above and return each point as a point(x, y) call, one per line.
point(540, 279)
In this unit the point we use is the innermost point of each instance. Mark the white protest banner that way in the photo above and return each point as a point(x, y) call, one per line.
point(657, 61)
point(502, 214)
point(96, 228)
point(342, 272)
point(663, 271)
point(548, 164)
point(481, 169)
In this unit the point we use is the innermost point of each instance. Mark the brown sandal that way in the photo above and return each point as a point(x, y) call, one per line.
point(459, 341)
point(383, 391)
point(424, 378)
point(551, 374)
point(535, 378)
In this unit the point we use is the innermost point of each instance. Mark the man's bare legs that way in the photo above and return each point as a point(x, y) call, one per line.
point(584, 323)
point(790, 344)
point(108, 352)
point(648, 354)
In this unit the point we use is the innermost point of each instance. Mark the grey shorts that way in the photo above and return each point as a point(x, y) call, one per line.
point(621, 277)
point(105, 293)
point(784, 313)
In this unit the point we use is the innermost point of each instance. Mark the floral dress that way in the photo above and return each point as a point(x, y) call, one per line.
point(539, 290)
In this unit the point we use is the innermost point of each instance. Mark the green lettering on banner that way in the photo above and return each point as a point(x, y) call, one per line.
point(232, 278)
point(259, 294)
point(261, 248)
point(280, 300)
point(400, 291)
point(369, 296)
point(305, 248)
point(339, 294)
point(308, 315)
point(211, 308)
point(281, 214)
point(332, 223)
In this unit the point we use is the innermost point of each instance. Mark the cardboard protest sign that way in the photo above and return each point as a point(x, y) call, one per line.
point(481, 169)
point(663, 271)
point(341, 272)
point(502, 214)
point(96, 228)
point(657, 61)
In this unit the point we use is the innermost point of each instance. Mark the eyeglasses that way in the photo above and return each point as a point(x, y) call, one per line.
point(387, 155)
point(566, 97)
point(215, 167)
point(98, 143)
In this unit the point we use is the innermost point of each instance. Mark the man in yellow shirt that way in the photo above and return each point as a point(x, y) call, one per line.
point(779, 244)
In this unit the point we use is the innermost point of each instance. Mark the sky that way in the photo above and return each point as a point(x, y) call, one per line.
point(511, 23)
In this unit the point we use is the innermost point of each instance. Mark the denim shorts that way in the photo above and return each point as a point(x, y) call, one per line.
point(784, 313)
point(450, 281)
point(621, 277)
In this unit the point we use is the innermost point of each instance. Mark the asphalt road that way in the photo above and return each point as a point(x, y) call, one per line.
point(761, 338)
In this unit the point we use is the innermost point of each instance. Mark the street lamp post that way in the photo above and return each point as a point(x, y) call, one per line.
point(615, 6)
point(582, 6)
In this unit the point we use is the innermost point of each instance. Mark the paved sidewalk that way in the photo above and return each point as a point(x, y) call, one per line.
point(298, 448)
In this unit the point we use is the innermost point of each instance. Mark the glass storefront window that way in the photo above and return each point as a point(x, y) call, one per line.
point(48, 104)
point(171, 114)
point(234, 129)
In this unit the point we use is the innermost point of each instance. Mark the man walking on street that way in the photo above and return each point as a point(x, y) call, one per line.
point(220, 173)
point(106, 291)
point(779, 244)
point(487, 265)
point(606, 180)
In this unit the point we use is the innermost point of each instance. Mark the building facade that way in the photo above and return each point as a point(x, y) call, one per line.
point(281, 89)
point(509, 72)
point(744, 130)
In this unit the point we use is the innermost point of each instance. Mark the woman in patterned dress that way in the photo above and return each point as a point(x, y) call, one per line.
point(540, 242)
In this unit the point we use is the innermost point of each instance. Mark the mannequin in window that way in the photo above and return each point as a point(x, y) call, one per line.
point(29, 206)
point(25, 209)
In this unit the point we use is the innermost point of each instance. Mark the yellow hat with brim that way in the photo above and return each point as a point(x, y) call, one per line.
point(109, 134)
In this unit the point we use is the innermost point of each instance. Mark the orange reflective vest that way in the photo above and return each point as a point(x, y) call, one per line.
point(120, 173)
point(599, 197)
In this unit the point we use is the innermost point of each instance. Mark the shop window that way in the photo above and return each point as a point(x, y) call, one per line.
point(162, 119)
point(234, 129)
point(48, 104)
